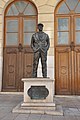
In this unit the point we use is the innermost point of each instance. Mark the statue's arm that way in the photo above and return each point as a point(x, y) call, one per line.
point(32, 42)
point(48, 42)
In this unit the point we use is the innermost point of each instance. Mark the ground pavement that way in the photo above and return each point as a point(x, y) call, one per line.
point(70, 105)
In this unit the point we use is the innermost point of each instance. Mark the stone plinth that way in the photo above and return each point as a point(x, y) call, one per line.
point(38, 93)
point(38, 97)
point(48, 83)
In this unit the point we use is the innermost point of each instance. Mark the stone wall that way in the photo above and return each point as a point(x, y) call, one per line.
point(45, 16)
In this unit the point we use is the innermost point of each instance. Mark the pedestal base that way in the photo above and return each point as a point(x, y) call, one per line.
point(39, 110)
point(39, 106)
point(38, 97)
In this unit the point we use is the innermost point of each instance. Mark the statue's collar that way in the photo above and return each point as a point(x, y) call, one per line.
point(41, 33)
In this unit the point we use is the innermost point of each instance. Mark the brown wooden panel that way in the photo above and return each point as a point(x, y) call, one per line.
point(77, 71)
point(20, 85)
point(28, 63)
point(63, 71)
point(17, 65)
point(10, 69)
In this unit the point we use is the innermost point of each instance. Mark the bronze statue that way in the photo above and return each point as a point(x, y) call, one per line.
point(40, 45)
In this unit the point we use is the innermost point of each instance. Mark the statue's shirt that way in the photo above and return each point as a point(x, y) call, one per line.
point(40, 41)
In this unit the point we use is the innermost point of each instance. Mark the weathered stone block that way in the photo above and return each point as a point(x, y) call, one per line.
point(0, 34)
point(2, 3)
point(46, 17)
point(45, 9)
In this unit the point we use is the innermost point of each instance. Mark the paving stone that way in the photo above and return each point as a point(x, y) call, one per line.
point(78, 106)
point(35, 117)
point(5, 109)
point(46, 117)
point(73, 109)
point(78, 118)
point(22, 117)
point(58, 118)
point(2, 115)
point(10, 116)
point(8, 104)
point(69, 112)
point(70, 118)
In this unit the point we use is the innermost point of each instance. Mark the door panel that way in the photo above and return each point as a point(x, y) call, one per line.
point(10, 69)
point(20, 71)
point(28, 62)
point(17, 65)
point(77, 55)
point(63, 71)
point(77, 71)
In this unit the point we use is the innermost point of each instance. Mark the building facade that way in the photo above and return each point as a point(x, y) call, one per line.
point(18, 21)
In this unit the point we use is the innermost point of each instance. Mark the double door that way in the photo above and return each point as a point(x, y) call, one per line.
point(18, 55)
point(67, 55)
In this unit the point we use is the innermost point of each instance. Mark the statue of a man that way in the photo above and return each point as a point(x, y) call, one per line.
point(40, 44)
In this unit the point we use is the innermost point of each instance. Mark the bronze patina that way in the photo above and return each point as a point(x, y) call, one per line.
point(40, 44)
point(38, 92)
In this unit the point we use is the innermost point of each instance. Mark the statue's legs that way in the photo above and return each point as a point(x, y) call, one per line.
point(44, 64)
point(35, 64)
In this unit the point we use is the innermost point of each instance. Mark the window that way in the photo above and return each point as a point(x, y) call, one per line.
point(20, 23)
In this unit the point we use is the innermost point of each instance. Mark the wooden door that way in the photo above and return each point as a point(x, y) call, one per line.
point(77, 71)
point(63, 56)
point(18, 55)
point(77, 53)
point(63, 70)
point(67, 48)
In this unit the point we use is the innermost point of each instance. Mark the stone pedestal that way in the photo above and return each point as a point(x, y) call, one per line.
point(38, 94)
point(38, 97)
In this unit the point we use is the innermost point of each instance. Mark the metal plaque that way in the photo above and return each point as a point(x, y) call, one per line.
point(38, 92)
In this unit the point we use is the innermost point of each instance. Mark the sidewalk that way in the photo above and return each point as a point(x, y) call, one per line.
point(70, 104)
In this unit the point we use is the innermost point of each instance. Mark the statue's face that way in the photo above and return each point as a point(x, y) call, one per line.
point(40, 27)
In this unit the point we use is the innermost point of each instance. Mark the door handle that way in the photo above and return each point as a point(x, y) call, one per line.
point(72, 46)
point(20, 47)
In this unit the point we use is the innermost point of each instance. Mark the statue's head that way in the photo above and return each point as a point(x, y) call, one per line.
point(40, 26)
